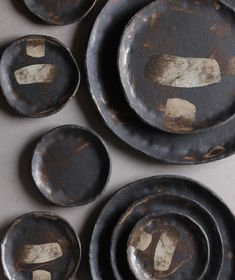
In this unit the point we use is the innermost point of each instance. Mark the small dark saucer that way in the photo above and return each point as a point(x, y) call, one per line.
point(71, 166)
point(168, 246)
point(40, 245)
point(39, 75)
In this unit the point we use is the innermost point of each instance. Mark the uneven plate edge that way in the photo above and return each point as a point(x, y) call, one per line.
point(158, 178)
point(14, 222)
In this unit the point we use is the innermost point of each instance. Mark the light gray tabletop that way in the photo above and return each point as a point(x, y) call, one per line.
point(18, 195)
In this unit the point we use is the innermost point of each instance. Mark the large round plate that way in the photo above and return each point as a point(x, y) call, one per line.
point(162, 203)
point(39, 75)
point(40, 245)
point(109, 216)
point(60, 12)
point(106, 90)
point(176, 82)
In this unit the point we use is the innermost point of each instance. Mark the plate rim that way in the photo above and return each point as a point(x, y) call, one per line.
point(93, 267)
point(96, 95)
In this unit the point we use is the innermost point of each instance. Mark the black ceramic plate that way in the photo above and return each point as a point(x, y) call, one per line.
point(229, 3)
point(71, 166)
point(38, 75)
point(176, 79)
point(160, 246)
point(40, 245)
point(60, 12)
point(106, 90)
point(163, 203)
point(109, 216)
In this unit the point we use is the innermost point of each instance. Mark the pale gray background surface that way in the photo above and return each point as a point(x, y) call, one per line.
point(18, 195)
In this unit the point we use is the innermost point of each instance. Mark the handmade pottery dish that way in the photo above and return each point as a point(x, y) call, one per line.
point(172, 76)
point(102, 73)
point(122, 199)
point(166, 246)
point(71, 166)
point(40, 245)
point(163, 203)
point(39, 75)
point(60, 12)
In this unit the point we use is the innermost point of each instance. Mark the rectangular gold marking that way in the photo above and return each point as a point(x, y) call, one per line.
point(36, 48)
point(179, 115)
point(41, 275)
point(183, 72)
point(37, 73)
point(165, 251)
point(37, 254)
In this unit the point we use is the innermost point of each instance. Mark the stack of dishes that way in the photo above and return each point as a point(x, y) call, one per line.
point(163, 227)
point(162, 76)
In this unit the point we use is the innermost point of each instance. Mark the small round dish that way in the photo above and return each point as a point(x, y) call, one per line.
point(40, 245)
point(60, 12)
point(160, 246)
point(173, 77)
point(39, 75)
point(71, 166)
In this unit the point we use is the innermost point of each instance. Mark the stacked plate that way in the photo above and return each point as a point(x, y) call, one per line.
point(164, 227)
point(162, 76)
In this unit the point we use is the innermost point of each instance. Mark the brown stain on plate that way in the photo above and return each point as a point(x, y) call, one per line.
point(215, 152)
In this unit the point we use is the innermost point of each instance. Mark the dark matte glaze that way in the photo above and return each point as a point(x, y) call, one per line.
point(162, 203)
point(39, 99)
point(60, 12)
point(71, 166)
point(229, 3)
point(111, 213)
point(101, 61)
point(35, 229)
point(165, 246)
point(172, 28)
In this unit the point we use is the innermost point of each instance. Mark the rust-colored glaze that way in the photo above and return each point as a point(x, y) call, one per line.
point(172, 241)
point(40, 243)
point(188, 197)
point(60, 12)
point(39, 75)
point(101, 60)
point(177, 63)
point(71, 166)
point(163, 203)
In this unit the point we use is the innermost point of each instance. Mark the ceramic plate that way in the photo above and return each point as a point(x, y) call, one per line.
point(106, 90)
point(71, 166)
point(39, 75)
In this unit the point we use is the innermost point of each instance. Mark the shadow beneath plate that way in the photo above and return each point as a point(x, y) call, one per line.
point(25, 175)
point(21, 8)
